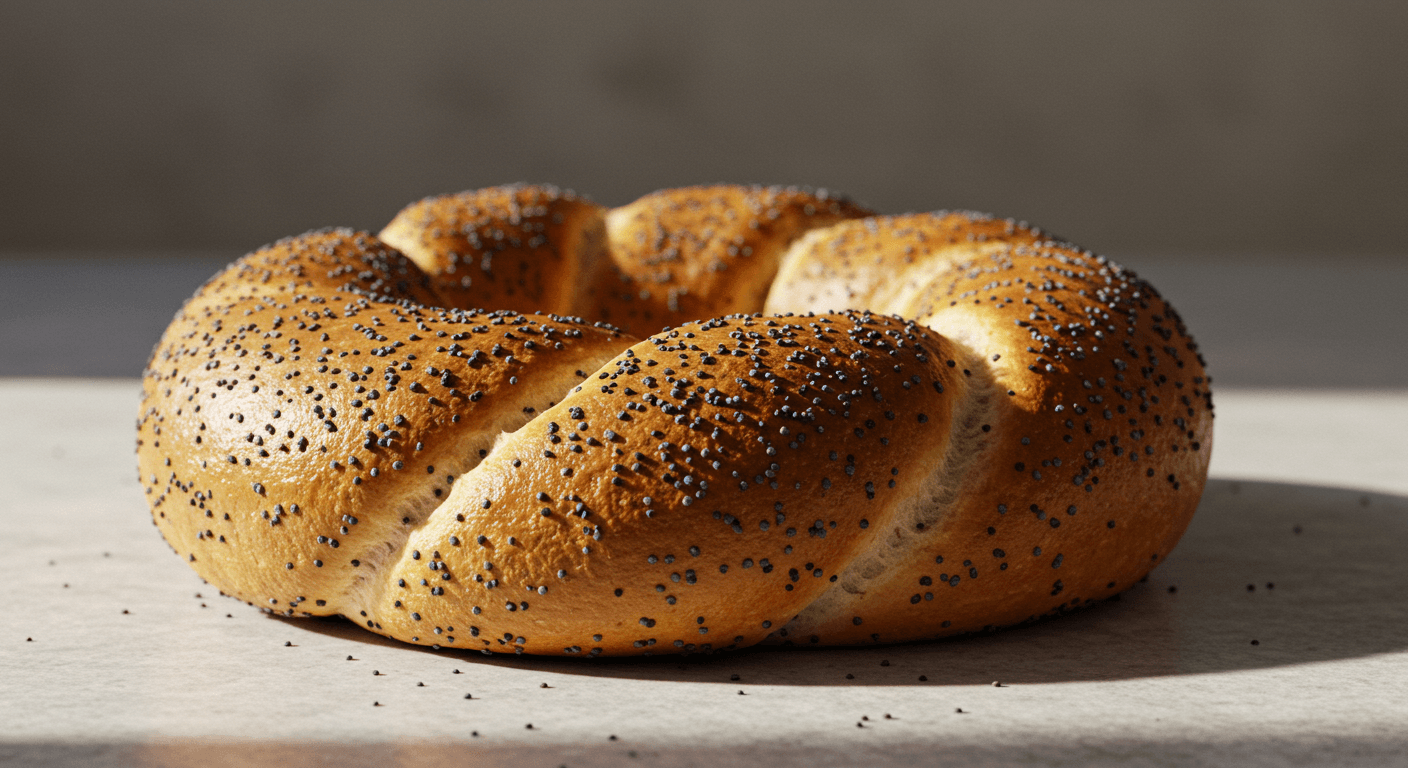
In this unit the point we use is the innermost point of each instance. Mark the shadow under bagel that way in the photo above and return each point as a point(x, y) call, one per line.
point(1267, 575)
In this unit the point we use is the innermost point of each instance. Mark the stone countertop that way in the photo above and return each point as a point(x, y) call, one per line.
point(1275, 634)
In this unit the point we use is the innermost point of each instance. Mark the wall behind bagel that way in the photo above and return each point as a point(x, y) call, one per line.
point(1273, 126)
point(1224, 150)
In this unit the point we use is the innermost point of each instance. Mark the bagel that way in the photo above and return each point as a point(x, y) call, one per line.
point(852, 429)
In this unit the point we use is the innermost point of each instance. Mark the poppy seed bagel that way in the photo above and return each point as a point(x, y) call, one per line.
point(853, 428)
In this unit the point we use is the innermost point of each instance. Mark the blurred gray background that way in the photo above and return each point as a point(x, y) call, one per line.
point(1230, 151)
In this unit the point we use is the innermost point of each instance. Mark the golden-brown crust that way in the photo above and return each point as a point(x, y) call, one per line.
point(1088, 458)
point(700, 252)
point(518, 247)
point(295, 420)
point(1035, 438)
point(695, 493)
point(885, 260)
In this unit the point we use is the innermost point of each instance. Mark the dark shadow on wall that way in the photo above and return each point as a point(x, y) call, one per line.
point(1268, 575)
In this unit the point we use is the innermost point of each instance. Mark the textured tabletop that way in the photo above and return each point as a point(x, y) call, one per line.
point(1276, 633)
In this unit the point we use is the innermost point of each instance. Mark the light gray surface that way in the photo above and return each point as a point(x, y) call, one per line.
point(186, 677)
point(1261, 322)
point(1260, 125)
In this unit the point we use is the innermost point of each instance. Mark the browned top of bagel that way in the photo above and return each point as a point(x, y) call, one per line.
point(519, 247)
point(319, 435)
point(696, 252)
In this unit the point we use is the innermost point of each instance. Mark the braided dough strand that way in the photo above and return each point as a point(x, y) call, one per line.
point(1085, 452)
